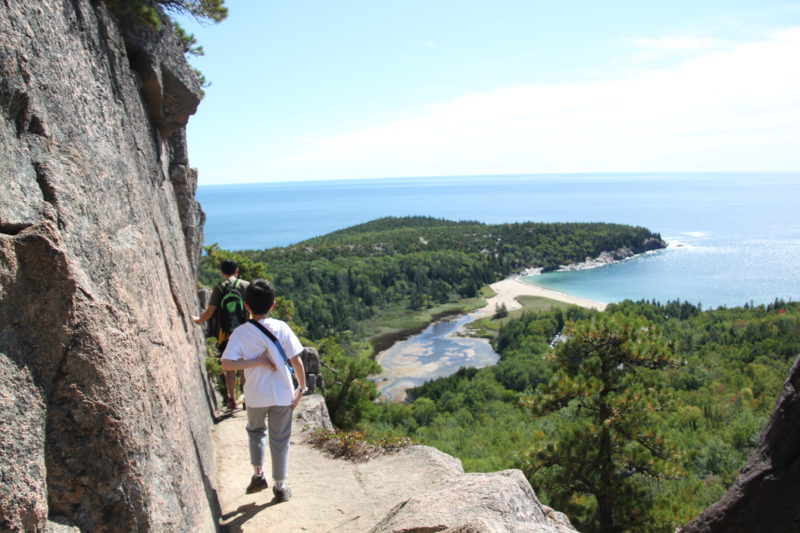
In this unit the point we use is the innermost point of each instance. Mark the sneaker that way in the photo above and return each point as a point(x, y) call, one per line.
point(257, 483)
point(230, 404)
point(282, 494)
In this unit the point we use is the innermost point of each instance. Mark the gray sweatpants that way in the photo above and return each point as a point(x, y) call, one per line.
point(278, 419)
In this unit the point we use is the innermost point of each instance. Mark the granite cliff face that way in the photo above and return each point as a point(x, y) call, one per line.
point(103, 401)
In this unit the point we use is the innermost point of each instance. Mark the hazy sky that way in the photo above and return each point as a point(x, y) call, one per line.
point(321, 89)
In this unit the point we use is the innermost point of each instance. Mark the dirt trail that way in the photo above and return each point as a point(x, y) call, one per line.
point(327, 494)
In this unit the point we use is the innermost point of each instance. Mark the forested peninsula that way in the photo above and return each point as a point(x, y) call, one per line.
point(390, 266)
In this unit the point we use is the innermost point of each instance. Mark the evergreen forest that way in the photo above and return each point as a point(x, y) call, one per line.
point(340, 280)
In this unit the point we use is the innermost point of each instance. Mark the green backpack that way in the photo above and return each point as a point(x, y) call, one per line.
point(231, 305)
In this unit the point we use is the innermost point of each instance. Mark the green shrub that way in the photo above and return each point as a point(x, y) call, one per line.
point(354, 445)
point(213, 368)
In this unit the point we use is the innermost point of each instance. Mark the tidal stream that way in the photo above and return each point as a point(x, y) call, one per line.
point(435, 352)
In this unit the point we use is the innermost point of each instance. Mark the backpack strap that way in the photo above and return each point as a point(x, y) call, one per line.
point(227, 283)
point(271, 337)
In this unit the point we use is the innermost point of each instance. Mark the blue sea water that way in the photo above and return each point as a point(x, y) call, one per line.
point(735, 236)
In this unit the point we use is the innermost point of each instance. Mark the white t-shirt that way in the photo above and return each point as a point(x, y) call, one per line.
point(263, 387)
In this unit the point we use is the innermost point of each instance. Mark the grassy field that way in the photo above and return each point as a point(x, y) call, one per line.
point(489, 326)
point(398, 322)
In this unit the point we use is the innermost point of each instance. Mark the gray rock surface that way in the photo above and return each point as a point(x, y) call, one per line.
point(765, 496)
point(476, 503)
point(104, 404)
point(312, 413)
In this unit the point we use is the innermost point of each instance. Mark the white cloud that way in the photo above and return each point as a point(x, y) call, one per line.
point(681, 44)
point(726, 107)
point(648, 50)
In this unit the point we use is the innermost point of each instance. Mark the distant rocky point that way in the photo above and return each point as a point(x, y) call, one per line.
point(606, 258)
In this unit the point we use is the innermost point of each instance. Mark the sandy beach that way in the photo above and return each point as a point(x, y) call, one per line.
point(508, 290)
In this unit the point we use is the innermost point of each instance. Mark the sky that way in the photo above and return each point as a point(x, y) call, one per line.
point(351, 89)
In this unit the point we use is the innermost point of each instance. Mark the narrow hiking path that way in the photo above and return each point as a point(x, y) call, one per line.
point(328, 494)
point(336, 495)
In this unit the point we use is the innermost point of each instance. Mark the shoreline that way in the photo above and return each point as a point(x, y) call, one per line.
point(508, 290)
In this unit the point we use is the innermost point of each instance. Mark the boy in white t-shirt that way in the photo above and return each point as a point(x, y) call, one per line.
point(268, 390)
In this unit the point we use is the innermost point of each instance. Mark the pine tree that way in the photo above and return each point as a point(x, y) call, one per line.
point(350, 394)
point(146, 10)
point(605, 443)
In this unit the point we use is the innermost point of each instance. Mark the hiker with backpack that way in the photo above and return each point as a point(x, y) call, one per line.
point(227, 304)
point(312, 363)
point(264, 348)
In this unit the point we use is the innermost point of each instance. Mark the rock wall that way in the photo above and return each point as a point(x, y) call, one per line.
point(104, 404)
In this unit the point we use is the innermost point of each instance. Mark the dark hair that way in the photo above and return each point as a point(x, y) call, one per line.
point(229, 267)
point(259, 296)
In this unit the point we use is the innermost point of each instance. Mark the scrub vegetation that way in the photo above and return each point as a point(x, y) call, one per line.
point(147, 10)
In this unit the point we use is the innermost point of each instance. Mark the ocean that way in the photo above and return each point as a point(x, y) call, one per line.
point(734, 237)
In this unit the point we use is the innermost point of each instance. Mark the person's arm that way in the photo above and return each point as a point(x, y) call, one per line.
point(208, 313)
point(213, 304)
point(300, 375)
point(240, 364)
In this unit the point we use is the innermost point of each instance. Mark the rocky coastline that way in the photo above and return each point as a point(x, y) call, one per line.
point(604, 258)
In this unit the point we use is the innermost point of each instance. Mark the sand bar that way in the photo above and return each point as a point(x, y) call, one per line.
point(508, 290)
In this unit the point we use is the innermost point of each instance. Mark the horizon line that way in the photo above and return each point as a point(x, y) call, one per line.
point(504, 175)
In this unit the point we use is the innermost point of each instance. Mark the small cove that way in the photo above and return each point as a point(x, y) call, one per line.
point(434, 353)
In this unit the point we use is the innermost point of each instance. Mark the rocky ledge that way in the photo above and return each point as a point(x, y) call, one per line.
point(417, 489)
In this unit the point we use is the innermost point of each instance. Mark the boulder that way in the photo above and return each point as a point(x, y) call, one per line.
point(476, 503)
point(313, 413)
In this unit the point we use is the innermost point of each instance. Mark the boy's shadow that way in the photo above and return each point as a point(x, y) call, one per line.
point(242, 514)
